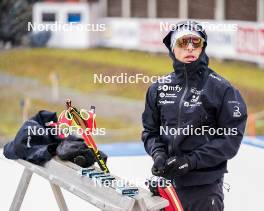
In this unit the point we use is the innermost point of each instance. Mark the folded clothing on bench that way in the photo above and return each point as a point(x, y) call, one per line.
point(34, 142)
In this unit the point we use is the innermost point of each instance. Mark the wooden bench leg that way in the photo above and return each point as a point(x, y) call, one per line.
point(59, 197)
point(21, 190)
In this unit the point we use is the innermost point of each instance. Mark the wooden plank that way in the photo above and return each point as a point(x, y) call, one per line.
point(64, 174)
point(151, 202)
point(59, 197)
point(21, 190)
point(140, 205)
point(102, 197)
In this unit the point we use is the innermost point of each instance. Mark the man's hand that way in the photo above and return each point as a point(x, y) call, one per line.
point(158, 168)
point(179, 166)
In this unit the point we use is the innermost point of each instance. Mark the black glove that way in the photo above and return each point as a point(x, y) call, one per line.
point(87, 159)
point(178, 166)
point(159, 166)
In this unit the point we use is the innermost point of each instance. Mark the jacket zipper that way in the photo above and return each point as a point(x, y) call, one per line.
point(180, 105)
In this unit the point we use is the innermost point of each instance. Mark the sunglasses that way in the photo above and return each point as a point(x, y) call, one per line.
point(196, 42)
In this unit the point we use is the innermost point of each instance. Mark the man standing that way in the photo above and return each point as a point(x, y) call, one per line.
point(193, 122)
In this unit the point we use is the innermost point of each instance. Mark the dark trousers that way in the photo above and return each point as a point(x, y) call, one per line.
point(202, 198)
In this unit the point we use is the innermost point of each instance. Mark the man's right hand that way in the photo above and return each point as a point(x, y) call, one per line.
point(158, 168)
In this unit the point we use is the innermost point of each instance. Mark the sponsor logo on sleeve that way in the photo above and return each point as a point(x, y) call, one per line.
point(215, 77)
point(236, 112)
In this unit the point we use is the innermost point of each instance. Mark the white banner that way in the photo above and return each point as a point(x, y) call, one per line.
point(226, 40)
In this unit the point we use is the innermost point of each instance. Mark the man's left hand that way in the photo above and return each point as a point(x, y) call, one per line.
point(179, 166)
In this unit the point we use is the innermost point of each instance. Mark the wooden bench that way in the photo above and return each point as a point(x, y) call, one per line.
point(64, 174)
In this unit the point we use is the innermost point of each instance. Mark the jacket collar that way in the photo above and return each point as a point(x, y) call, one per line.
point(191, 68)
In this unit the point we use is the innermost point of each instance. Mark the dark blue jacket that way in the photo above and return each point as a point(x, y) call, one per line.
point(36, 148)
point(194, 95)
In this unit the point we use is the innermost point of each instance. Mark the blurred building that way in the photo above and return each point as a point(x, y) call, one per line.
point(15, 14)
point(234, 27)
point(246, 10)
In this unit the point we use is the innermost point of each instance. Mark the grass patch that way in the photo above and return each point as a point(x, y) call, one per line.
point(241, 73)
point(11, 115)
point(76, 68)
point(11, 118)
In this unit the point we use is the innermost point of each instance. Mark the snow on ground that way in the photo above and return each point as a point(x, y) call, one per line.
point(246, 177)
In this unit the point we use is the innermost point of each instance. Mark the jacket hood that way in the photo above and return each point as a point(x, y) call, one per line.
point(203, 59)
